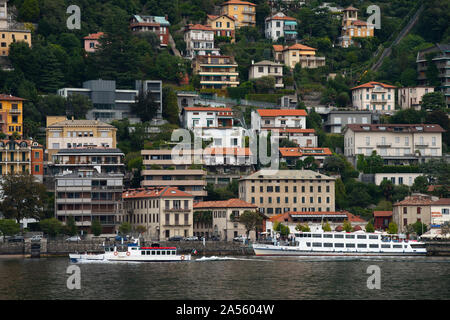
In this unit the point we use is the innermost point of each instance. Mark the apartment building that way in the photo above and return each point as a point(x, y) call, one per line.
point(224, 222)
point(397, 178)
point(374, 96)
point(223, 137)
point(290, 156)
point(288, 190)
point(266, 119)
point(337, 120)
point(297, 53)
point(217, 72)
point(11, 114)
point(440, 214)
point(92, 41)
point(242, 11)
point(163, 211)
point(223, 26)
point(416, 207)
point(11, 31)
point(157, 25)
point(411, 97)
point(439, 55)
point(199, 41)
point(207, 117)
point(162, 169)
point(267, 69)
point(397, 144)
point(22, 156)
point(352, 27)
point(87, 195)
point(281, 26)
point(67, 134)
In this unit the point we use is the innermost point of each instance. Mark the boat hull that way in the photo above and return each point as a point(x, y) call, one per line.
point(123, 257)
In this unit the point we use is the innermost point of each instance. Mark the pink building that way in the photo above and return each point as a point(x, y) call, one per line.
point(91, 42)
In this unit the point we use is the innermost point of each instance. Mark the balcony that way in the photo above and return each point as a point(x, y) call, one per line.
point(177, 210)
point(15, 111)
point(423, 144)
point(384, 145)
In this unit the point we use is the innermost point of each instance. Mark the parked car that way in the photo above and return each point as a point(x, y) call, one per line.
point(239, 239)
point(16, 239)
point(73, 239)
point(176, 238)
point(193, 238)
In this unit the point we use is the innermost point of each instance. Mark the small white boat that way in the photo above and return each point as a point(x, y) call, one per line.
point(134, 253)
point(343, 244)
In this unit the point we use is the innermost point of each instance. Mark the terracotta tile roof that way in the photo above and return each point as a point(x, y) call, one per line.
point(442, 201)
point(198, 27)
point(94, 36)
point(352, 218)
point(431, 188)
point(359, 23)
point(398, 128)
point(238, 2)
point(299, 46)
point(8, 97)
point(228, 151)
point(300, 152)
point(282, 18)
point(213, 17)
point(277, 47)
point(350, 8)
point(382, 213)
point(231, 203)
point(415, 200)
point(372, 84)
point(156, 192)
point(281, 112)
point(216, 109)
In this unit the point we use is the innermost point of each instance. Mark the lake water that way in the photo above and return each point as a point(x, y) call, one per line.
point(249, 278)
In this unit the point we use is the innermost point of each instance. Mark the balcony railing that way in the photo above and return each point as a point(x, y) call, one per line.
point(177, 209)
point(384, 144)
point(15, 111)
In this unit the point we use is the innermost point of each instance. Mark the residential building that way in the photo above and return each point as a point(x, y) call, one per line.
point(267, 69)
point(157, 25)
point(281, 26)
point(397, 144)
point(298, 53)
point(91, 41)
point(163, 168)
point(267, 119)
point(3, 14)
point(290, 156)
point(353, 28)
point(242, 11)
point(225, 165)
point(223, 26)
point(207, 117)
point(22, 156)
point(374, 96)
point(217, 72)
point(411, 97)
point(288, 190)
point(337, 120)
point(199, 41)
point(224, 221)
point(305, 138)
point(66, 134)
point(440, 214)
point(289, 101)
point(397, 178)
point(186, 99)
point(87, 195)
point(223, 137)
point(439, 55)
point(11, 114)
point(11, 31)
point(163, 211)
point(381, 220)
point(416, 207)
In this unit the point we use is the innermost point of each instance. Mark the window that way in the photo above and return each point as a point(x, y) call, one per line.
point(338, 245)
point(362, 245)
point(349, 236)
point(349, 245)
point(338, 236)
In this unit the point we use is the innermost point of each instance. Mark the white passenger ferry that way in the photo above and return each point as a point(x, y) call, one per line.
point(343, 244)
point(134, 253)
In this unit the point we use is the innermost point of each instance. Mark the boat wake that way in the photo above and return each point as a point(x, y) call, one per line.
point(215, 258)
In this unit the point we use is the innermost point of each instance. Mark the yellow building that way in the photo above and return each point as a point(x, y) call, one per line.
point(9, 34)
point(223, 26)
point(298, 53)
point(352, 27)
point(68, 134)
point(242, 11)
point(11, 114)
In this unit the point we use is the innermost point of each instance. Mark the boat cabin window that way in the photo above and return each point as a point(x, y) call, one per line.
point(349, 236)
point(328, 236)
point(373, 237)
point(153, 252)
point(349, 245)
point(328, 245)
point(338, 245)
point(308, 244)
point(133, 248)
point(143, 253)
point(339, 236)
point(417, 245)
point(163, 252)
point(362, 245)
point(158, 252)
point(397, 246)
point(361, 236)
point(148, 252)
point(373, 246)
point(317, 244)
point(405, 246)
point(315, 235)
point(385, 246)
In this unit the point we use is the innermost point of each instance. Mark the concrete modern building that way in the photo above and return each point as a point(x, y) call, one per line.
point(11, 31)
point(199, 41)
point(280, 25)
point(374, 96)
point(22, 156)
point(223, 26)
point(397, 178)
point(157, 25)
point(288, 190)
point(411, 97)
point(337, 120)
point(352, 27)
point(67, 134)
point(217, 72)
point(267, 69)
point(164, 212)
point(224, 219)
point(290, 156)
point(11, 114)
point(164, 170)
point(87, 195)
point(242, 11)
point(207, 117)
point(397, 144)
point(416, 207)
point(298, 53)
point(91, 41)
point(439, 55)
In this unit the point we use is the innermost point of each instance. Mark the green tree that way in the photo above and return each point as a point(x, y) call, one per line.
point(9, 227)
point(140, 229)
point(29, 11)
point(302, 227)
point(392, 228)
point(51, 226)
point(170, 106)
point(434, 101)
point(71, 228)
point(96, 227)
point(125, 228)
point(145, 107)
point(370, 227)
point(387, 188)
point(326, 227)
point(281, 228)
point(420, 184)
point(78, 105)
point(384, 205)
point(251, 220)
point(419, 228)
point(347, 226)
